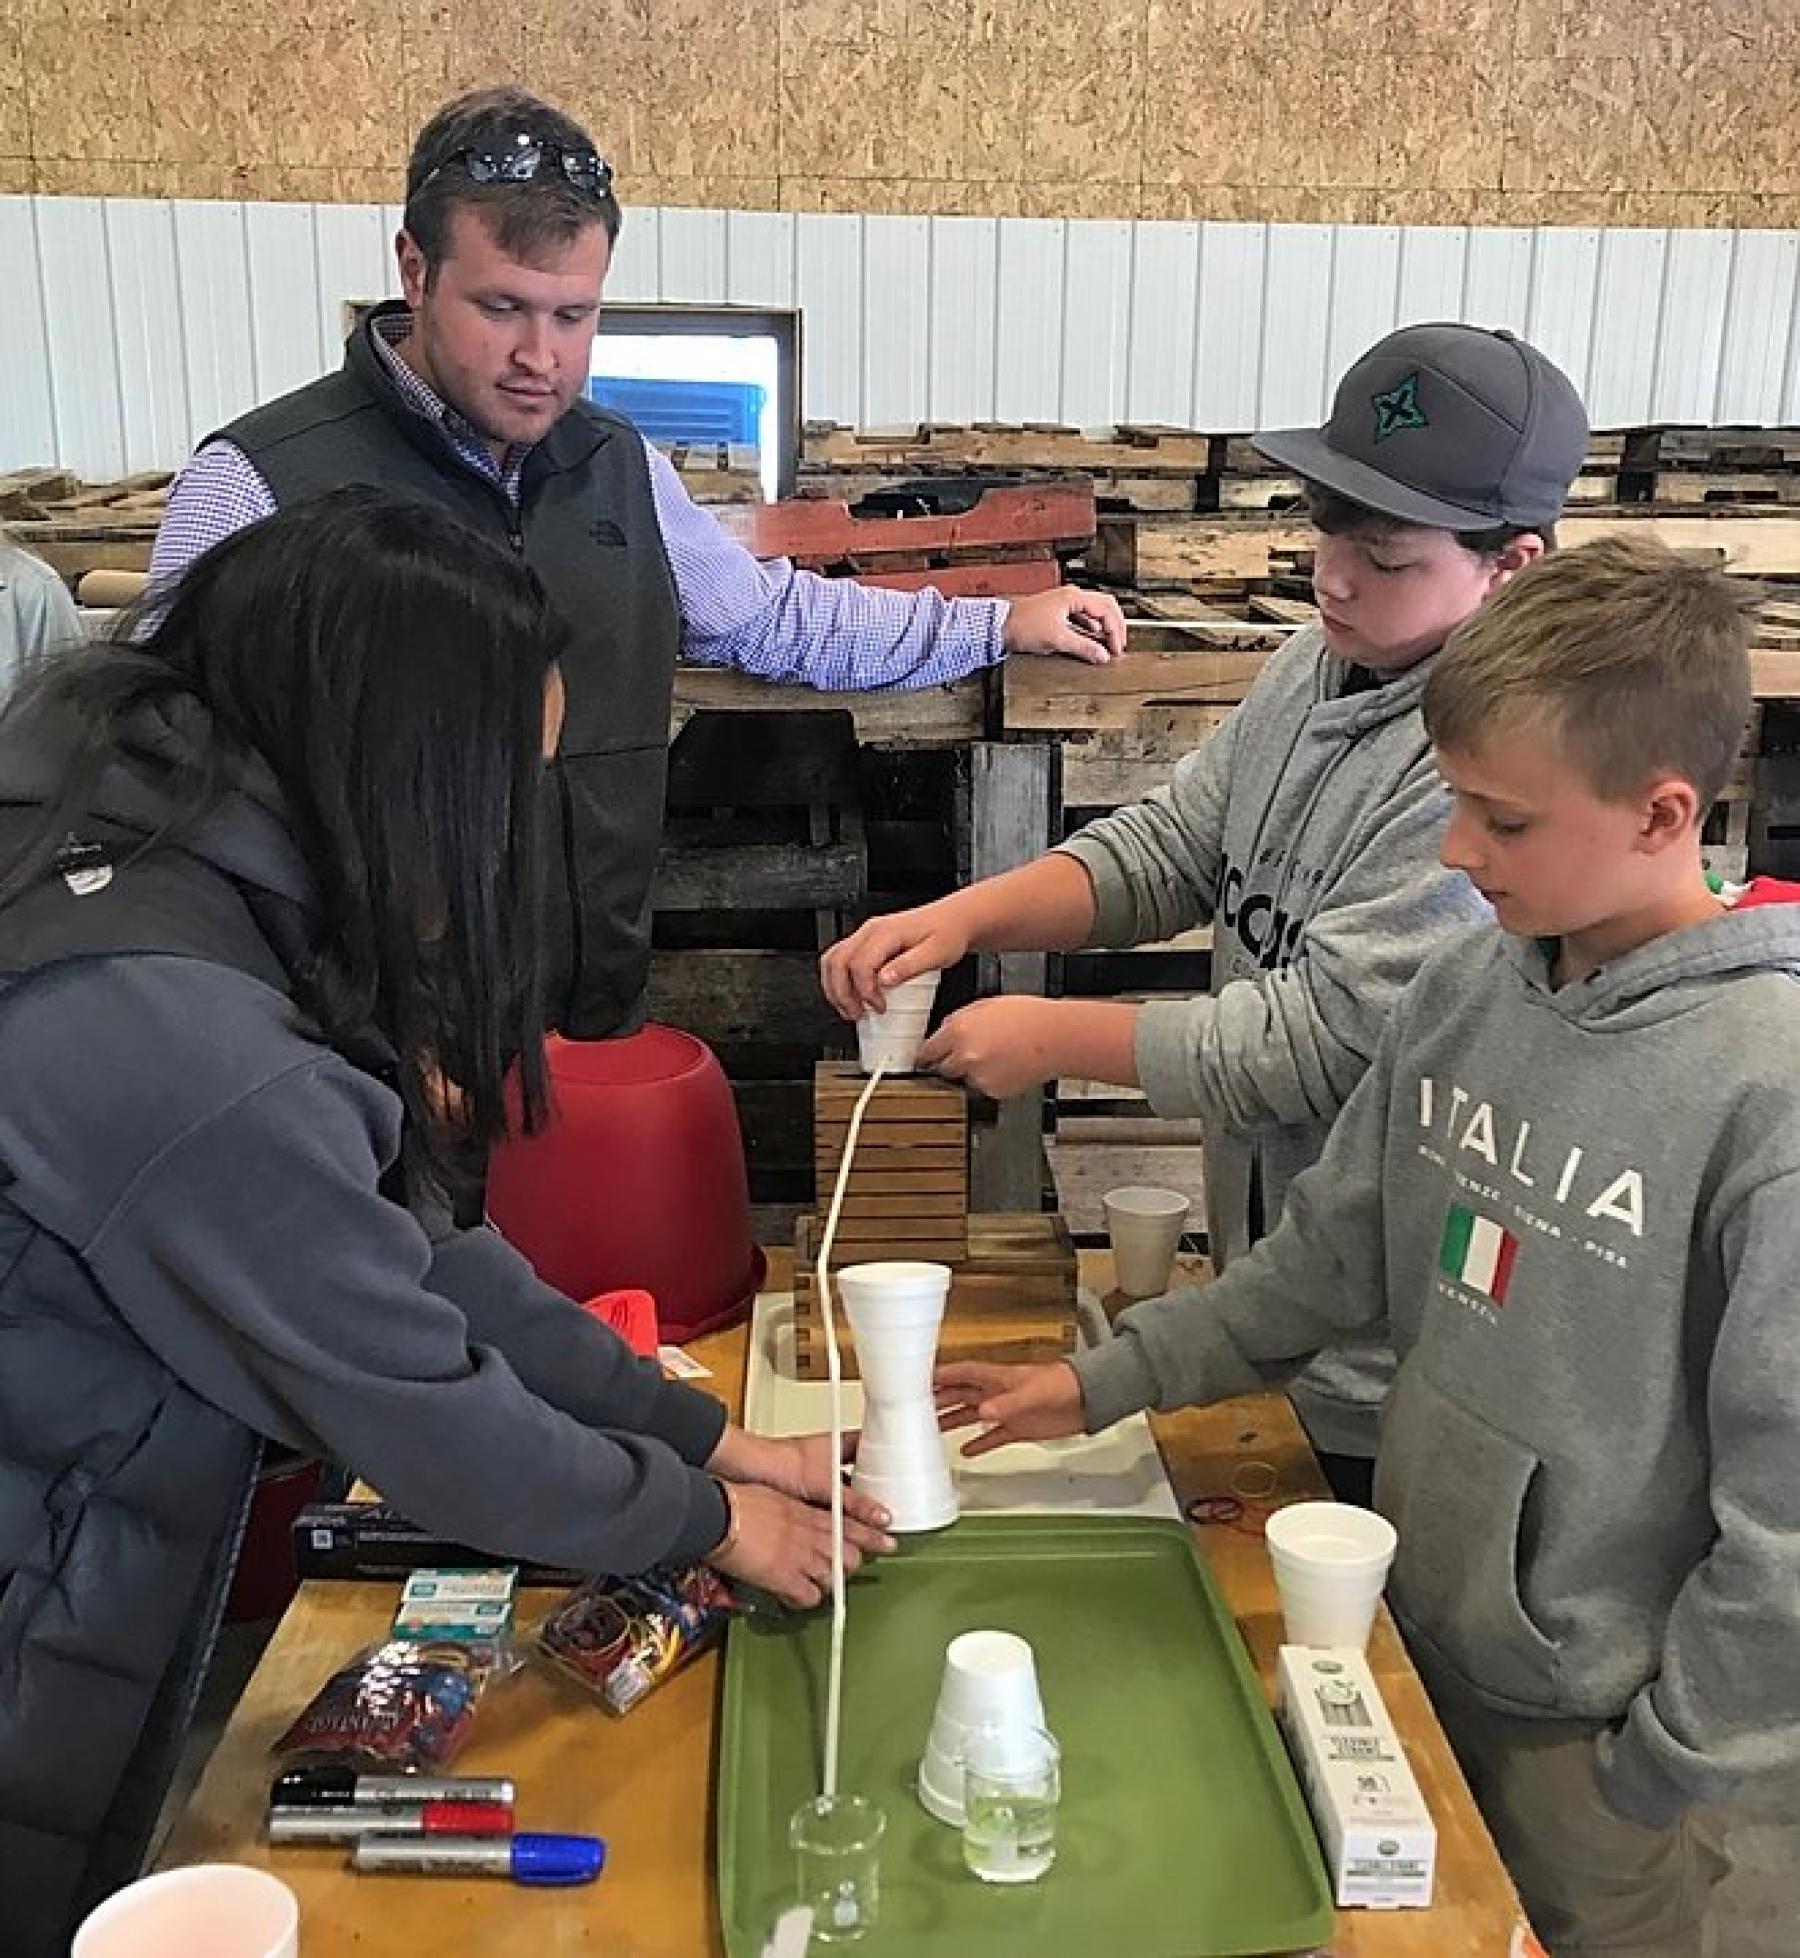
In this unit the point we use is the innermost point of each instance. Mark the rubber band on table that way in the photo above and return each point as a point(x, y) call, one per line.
point(1245, 1505)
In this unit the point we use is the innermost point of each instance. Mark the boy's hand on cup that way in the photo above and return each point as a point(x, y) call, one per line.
point(856, 971)
point(1009, 1403)
point(784, 1546)
point(1000, 1047)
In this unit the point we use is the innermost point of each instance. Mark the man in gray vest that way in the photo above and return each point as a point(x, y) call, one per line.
point(472, 391)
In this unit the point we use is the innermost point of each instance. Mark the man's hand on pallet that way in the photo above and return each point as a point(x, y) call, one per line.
point(1083, 625)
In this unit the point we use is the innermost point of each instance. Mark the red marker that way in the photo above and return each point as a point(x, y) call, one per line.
point(421, 1819)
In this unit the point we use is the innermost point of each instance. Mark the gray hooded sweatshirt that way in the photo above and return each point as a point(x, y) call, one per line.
point(1306, 832)
point(219, 1172)
point(1579, 1211)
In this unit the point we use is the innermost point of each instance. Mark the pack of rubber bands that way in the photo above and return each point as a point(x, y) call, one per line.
point(621, 1637)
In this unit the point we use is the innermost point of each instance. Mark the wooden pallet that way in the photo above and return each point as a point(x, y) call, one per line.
point(718, 472)
point(77, 527)
point(1135, 469)
point(1138, 450)
point(1013, 1298)
point(822, 535)
point(1186, 668)
point(908, 1195)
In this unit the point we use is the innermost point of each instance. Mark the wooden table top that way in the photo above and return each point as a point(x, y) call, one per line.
point(645, 1782)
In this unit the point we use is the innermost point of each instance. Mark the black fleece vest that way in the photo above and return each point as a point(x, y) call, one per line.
point(586, 524)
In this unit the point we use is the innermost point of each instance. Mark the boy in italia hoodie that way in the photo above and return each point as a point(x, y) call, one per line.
point(1570, 1185)
point(1305, 831)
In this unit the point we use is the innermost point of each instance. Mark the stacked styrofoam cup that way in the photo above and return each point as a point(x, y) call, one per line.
point(891, 1039)
point(895, 1308)
point(989, 1687)
point(1331, 1561)
point(1144, 1225)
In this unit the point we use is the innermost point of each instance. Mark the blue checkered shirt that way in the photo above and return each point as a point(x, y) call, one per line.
point(758, 615)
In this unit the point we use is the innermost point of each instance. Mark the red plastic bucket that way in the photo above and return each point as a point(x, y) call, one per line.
point(637, 1183)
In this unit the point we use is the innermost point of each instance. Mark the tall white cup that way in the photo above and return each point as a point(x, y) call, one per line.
point(208, 1910)
point(895, 1308)
point(990, 1687)
point(892, 1038)
point(1331, 1561)
point(1145, 1226)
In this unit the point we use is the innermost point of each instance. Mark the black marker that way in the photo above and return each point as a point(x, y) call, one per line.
point(334, 1787)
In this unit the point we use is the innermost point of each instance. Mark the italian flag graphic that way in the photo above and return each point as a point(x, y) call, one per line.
point(1476, 1252)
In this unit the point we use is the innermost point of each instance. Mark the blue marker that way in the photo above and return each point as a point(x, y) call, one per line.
point(532, 1859)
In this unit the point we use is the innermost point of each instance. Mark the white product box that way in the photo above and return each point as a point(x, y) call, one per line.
point(1380, 1844)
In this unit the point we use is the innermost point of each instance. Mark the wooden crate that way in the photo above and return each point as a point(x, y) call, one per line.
point(718, 472)
point(1013, 1299)
point(908, 1195)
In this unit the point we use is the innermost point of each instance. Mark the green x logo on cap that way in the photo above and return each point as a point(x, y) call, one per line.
point(1399, 408)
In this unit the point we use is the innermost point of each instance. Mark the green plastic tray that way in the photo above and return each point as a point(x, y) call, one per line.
point(1182, 1832)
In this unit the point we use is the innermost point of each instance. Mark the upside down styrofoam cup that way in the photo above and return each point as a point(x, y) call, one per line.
point(989, 1686)
point(1331, 1561)
point(1145, 1226)
point(895, 1307)
point(892, 1038)
point(208, 1910)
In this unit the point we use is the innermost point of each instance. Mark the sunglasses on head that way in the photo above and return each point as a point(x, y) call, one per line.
point(587, 170)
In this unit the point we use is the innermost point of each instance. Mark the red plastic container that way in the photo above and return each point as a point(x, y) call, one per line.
point(632, 1315)
point(637, 1183)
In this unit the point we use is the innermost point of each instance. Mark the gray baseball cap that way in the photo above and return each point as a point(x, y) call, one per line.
point(1455, 427)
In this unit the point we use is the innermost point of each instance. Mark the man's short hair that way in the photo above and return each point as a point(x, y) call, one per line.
point(1338, 515)
point(1635, 659)
point(526, 219)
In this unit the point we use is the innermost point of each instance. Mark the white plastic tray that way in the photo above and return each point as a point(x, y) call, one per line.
point(1119, 1471)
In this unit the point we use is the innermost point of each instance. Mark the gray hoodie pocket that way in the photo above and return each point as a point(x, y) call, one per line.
point(1457, 1492)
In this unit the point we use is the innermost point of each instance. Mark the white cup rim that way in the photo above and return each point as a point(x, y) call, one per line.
point(106, 1916)
point(922, 985)
point(908, 1272)
point(1331, 1536)
point(1146, 1200)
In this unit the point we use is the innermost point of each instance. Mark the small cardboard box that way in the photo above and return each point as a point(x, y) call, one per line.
point(456, 1604)
point(1379, 1840)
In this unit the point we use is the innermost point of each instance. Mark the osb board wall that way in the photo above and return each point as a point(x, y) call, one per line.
point(1622, 112)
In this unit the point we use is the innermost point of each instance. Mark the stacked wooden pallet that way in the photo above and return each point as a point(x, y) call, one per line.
point(908, 1194)
point(1013, 1279)
point(1145, 469)
point(1013, 1299)
point(1131, 468)
point(718, 472)
point(1715, 467)
point(991, 542)
point(77, 526)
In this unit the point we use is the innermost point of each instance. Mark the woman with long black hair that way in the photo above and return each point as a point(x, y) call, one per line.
point(268, 952)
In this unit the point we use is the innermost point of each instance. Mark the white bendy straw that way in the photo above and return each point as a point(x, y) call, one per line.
point(834, 1365)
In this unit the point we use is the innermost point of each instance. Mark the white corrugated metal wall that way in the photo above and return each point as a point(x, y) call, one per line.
point(135, 326)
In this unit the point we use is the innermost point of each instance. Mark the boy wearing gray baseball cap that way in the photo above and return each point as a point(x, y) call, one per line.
point(1305, 831)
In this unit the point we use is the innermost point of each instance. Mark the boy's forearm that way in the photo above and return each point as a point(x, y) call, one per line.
point(1044, 906)
point(1096, 1040)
